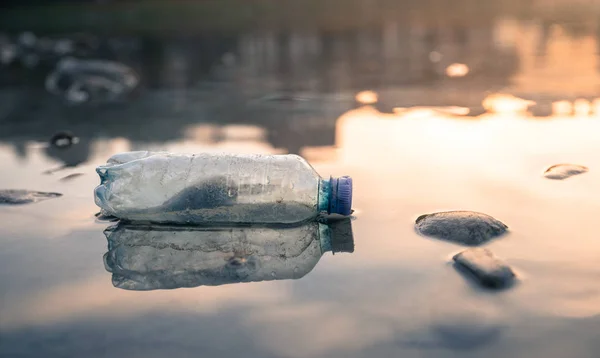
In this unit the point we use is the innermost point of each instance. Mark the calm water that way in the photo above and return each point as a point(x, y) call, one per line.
point(396, 295)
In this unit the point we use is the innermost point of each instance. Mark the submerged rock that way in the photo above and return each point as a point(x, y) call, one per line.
point(17, 197)
point(463, 227)
point(564, 171)
point(488, 270)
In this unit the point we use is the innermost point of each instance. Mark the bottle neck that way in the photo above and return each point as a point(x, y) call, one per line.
point(324, 195)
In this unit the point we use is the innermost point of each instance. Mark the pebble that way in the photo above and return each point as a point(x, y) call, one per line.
point(18, 197)
point(488, 270)
point(63, 139)
point(463, 227)
point(564, 171)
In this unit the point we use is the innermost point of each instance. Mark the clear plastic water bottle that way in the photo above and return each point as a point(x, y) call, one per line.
point(155, 257)
point(218, 189)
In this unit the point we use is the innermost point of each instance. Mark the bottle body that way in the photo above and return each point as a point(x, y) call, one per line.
point(211, 188)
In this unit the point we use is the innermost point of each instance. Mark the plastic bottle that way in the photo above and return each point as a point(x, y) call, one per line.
point(155, 257)
point(217, 189)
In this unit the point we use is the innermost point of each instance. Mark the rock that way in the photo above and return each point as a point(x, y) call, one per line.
point(463, 227)
point(488, 270)
point(564, 171)
point(63, 139)
point(18, 197)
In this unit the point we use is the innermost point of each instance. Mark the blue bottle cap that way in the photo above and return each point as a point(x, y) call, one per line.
point(340, 201)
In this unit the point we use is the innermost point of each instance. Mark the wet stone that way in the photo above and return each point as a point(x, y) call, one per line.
point(18, 197)
point(564, 171)
point(488, 270)
point(63, 139)
point(463, 227)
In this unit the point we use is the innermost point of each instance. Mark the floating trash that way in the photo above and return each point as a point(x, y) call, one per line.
point(63, 140)
point(214, 188)
point(488, 270)
point(81, 81)
point(463, 227)
point(564, 171)
point(18, 197)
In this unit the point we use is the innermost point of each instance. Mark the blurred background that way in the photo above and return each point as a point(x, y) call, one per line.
point(288, 67)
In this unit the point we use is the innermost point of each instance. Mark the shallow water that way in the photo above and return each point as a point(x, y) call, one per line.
point(397, 294)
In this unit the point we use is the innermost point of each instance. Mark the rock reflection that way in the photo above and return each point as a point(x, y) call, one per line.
point(145, 258)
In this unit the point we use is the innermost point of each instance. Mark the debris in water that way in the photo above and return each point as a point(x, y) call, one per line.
point(63, 139)
point(485, 267)
point(79, 81)
point(71, 177)
point(463, 227)
point(18, 197)
point(564, 171)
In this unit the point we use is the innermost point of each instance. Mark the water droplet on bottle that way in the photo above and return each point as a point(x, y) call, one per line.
point(296, 269)
point(273, 274)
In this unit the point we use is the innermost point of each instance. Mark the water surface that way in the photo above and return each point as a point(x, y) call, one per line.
point(397, 294)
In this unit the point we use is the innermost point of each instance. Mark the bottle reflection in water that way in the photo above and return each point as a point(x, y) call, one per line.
point(166, 257)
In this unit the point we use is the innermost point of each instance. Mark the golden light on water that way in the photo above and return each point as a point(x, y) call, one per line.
point(582, 107)
point(366, 97)
point(562, 108)
point(420, 112)
point(457, 70)
point(596, 106)
point(506, 103)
